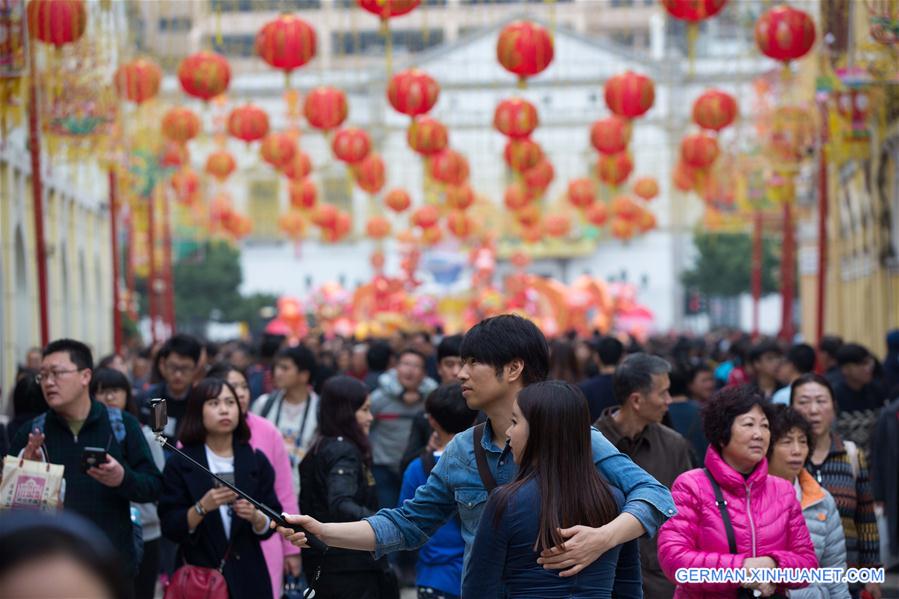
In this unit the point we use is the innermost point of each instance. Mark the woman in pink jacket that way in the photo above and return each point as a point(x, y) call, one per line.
point(768, 528)
point(280, 555)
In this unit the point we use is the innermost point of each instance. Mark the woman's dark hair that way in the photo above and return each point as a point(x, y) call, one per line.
point(785, 419)
point(563, 364)
point(28, 397)
point(498, 340)
point(341, 397)
point(34, 537)
point(221, 370)
point(191, 430)
point(724, 407)
point(110, 378)
point(812, 377)
point(559, 456)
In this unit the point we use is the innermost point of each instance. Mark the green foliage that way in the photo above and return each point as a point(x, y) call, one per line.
point(723, 266)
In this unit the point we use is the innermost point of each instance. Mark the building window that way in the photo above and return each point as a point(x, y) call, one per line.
point(263, 208)
point(263, 5)
point(623, 38)
point(237, 45)
point(372, 42)
point(175, 24)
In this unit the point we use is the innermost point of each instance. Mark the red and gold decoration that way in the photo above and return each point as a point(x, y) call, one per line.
point(699, 151)
point(220, 164)
point(248, 123)
point(614, 169)
point(186, 184)
point(646, 188)
point(180, 125)
point(630, 95)
point(298, 167)
point(517, 197)
point(278, 149)
point(522, 154)
point(398, 200)
point(714, 110)
point(326, 108)
point(785, 33)
point(460, 224)
point(303, 194)
point(351, 145)
point(581, 193)
point(683, 177)
point(538, 177)
point(597, 214)
point(693, 12)
point(204, 75)
point(557, 225)
point(377, 227)
point(516, 118)
point(57, 22)
point(459, 197)
point(137, 81)
point(286, 43)
point(370, 173)
point(292, 224)
point(525, 49)
point(425, 217)
point(610, 135)
point(412, 92)
point(448, 167)
point(427, 136)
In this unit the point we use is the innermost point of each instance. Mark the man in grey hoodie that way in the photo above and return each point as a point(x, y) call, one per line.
point(398, 400)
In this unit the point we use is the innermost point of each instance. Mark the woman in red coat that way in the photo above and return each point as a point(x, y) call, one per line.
point(768, 528)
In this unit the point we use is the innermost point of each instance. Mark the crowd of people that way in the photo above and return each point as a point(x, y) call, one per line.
point(464, 466)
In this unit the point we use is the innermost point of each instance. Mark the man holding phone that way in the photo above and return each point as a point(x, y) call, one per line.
point(106, 457)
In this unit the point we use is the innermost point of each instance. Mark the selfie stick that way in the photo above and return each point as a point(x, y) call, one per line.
point(312, 541)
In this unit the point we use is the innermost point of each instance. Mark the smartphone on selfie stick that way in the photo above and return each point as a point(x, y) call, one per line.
point(159, 419)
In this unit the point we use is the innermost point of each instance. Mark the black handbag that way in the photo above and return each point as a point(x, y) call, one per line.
point(731, 537)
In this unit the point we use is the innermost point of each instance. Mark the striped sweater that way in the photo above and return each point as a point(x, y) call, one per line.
point(854, 501)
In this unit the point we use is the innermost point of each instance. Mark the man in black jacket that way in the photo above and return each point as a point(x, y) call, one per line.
point(102, 493)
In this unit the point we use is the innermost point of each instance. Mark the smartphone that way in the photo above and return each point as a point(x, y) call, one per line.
point(92, 457)
point(158, 415)
point(228, 477)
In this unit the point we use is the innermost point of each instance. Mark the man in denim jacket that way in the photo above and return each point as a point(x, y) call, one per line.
point(501, 355)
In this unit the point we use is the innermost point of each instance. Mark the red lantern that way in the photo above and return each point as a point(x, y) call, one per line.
point(186, 184)
point(425, 217)
point(278, 149)
point(517, 197)
point(174, 155)
point(326, 108)
point(646, 222)
point(610, 135)
point(386, 9)
point(714, 110)
point(137, 81)
point(303, 195)
point(351, 145)
point(248, 122)
point(180, 125)
point(220, 164)
point(693, 10)
point(538, 177)
point(397, 200)
point(459, 198)
point(528, 216)
point(459, 224)
point(630, 95)
point(377, 227)
point(614, 169)
point(204, 75)
point(339, 229)
point(298, 167)
point(597, 214)
point(646, 188)
point(325, 216)
point(292, 224)
point(370, 173)
point(57, 22)
point(286, 43)
point(683, 177)
point(522, 154)
point(581, 193)
point(621, 229)
point(412, 92)
point(431, 236)
point(448, 167)
point(557, 225)
point(524, 48)
point(531, 233)
point(784, 33)
point(625, 208)
point(699, 150)
point(516, 118)
point(427, 136)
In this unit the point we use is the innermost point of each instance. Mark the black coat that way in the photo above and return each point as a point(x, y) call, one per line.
point(337, 486)
point(184, 485)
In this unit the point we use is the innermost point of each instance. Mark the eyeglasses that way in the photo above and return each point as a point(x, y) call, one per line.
point(48, 375)
point(109, 393)
point(180, 369)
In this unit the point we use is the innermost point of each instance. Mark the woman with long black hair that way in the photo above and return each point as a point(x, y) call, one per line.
point(338, 486)
point(557, 488)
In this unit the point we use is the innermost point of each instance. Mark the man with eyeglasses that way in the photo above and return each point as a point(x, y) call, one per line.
point(75, 421)
point(178, 360)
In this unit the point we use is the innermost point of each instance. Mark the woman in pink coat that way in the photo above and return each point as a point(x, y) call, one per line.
point(280, 555)
point(769, 530)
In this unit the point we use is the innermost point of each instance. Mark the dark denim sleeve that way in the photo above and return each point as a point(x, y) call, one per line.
point(628, 580)
point(488, 555)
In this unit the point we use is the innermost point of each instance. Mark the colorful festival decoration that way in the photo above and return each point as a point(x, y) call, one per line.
point(412, 92)
point(614, 169)
point(610, 135)
point(248, 123)
point(351, 145)
point(398, 200)
point(137, 81)
point(204, 75)
point(180, 125)
point(220, 164)
point(522, 154)
point(370, 173)
point(448, 167)
point(525, 49)
point(785, 33)
point(714, 110)
point(699, 151)
point(427, 136)
point(303, 194)
point(298, 167)
point(538, 178)
point(581, 193)
point(278, 149)
point(630, 95)
point(326, 108)
point(646, 188)
point(516, 118)
point(286, 43)
point(57, 22)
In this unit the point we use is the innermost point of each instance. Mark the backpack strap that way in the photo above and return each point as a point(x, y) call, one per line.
point(481, 457)
point(117, 423)
point(722, 507)
point(269, 403)
point(427, 461)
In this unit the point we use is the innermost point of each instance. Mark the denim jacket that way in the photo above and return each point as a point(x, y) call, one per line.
point(455, 486)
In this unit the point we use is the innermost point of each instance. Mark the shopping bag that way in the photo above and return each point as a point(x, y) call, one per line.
point(30, 484)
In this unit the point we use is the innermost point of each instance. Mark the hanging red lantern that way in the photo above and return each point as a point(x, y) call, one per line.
point(427, 136)
point(326, 108)
point(528, 216)
point(614, 169)
point(646, 188)
point(137, 81)
point(220, 164)
point(180, 125)
point(646, 221)
point(459, 197)
point(683, 177)
point(516, 118)
point(459, 224)
point(303, 195)
point(538, 177)
point(298, 167)
point(693, 10)
point(387, 9)
point(174, 155)
point(292, 224)
point(597, 214)
point(785, 33)
point(57, 22)
point(531, 233)
point(522, 154)
point(370, 173)
point(699, 151)
point(286, 43)
point(340, 228)
point(557, 225)
point(714, 110)
point(248, 122)
point(186, 184)
point(351, 145)
point(610, 135)
point(625, 208)
point(425, 217)
point(448, 167)
point(377, 227)
point(324, 216)
point(524, 49)
point(581, 193)
point(278, 149)
point(412, 92)
point(204, 75)
point(432, 236)
point(630, 95)
point(517, 197)
point(397, 200)
point(621, 229)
